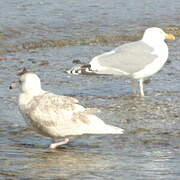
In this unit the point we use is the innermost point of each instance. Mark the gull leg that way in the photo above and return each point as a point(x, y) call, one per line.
point(134, 87)
point(141, 87)
point(55, 145)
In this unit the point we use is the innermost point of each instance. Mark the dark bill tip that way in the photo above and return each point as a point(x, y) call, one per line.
point(13, 85)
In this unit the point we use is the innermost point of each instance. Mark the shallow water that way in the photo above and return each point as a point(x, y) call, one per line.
point(46, 37)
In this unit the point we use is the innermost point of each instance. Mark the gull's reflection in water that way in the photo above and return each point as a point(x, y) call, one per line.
point(70, 161)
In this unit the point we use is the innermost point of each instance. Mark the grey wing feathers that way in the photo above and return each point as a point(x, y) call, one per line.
point(129, 58)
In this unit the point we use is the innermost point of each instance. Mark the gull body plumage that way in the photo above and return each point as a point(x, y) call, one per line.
point(137, 60)
point(57, 116)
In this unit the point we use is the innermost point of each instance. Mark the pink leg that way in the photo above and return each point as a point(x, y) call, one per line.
point(55, 145)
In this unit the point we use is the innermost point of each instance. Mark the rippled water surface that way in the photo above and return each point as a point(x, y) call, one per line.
point(46, 36)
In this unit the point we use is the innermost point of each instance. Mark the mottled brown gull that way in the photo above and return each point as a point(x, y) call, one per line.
point(57, 116)
point(137, 60)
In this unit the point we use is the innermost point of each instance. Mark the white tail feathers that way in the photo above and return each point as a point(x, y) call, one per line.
point(106, 129)
point(114, 130)
point(97, 126)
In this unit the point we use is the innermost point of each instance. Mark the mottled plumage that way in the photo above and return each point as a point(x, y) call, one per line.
point(57, 116)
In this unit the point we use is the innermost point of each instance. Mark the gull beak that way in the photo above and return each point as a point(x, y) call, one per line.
point(170, 37)
point(14, 84)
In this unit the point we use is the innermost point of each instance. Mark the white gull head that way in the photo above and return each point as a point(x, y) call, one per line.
point(154, 36)
point(30, 83)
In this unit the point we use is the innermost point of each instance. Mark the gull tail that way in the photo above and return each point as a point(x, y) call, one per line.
point(106, 129)
point(81, 69)
point(109, 129)
point(97, 126)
